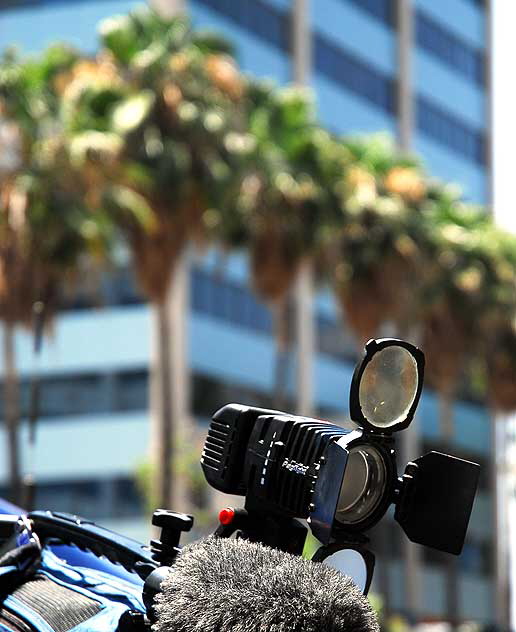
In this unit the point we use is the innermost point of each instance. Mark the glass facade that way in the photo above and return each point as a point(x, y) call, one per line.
point(447, 129)
point(347, 71)
point(382, 10)
point(94, 371)
point(263, 20)
point(435, 38)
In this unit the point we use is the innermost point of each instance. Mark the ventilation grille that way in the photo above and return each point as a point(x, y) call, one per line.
point(60, 607)
point(215, 446)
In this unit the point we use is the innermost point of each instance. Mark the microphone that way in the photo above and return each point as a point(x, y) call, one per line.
point(233, 585)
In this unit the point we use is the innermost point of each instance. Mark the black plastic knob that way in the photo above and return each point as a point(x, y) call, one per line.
point(172, 520)
point(172, 525)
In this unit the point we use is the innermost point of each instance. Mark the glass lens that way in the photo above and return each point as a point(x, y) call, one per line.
point(363, 485)
point(388, 386)
point(351, 563)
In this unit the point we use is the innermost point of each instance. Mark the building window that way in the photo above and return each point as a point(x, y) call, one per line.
point(76, 497)
point(116, 288)
point(210, 394)
point(17, 4)
point(257, 17)
point(87, 394)
point(95, 498)
point(479, 3)
point(437, 40)
point(125, 498)
point(333, 340)
point(355, 75)
point(476, 557)
point(131, 390)
point(229, 301)
point(67, 395)
point(383, 10)
point(450, 131)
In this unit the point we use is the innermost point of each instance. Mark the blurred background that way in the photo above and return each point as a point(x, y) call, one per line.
point(180, 230)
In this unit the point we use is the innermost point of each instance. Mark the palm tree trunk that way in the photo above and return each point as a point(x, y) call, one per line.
point(503, 425)
point(446, 416)
point(412, 552)
point(452, 591)
point(161, 405)
point(305, 325)
point(170, 390)
point(410, 448)
point(180, 383)
point(301, 42)
point(12, 413)
point(305, 335)
point(445, 402)
point(281, 319)
point(383, 575)
point(500, 440)
point(303, 328)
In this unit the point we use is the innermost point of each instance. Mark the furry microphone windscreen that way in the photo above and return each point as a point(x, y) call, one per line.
point(232, 585)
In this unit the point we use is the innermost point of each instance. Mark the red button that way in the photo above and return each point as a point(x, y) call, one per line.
point(226, 515)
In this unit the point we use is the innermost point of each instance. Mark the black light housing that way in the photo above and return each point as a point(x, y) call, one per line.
point(339, 481)
point(436, 499)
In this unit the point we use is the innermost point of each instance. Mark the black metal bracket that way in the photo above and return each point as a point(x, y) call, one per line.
point(285, 534)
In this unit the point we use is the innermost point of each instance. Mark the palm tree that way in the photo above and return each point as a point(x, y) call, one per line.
point(469, 302)
point(409, 251)
point(44, 227)
point(277, 200)
point(373, 248)
point(171, 114)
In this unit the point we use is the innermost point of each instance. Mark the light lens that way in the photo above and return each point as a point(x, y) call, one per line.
point(388, 386)
point(363, 485)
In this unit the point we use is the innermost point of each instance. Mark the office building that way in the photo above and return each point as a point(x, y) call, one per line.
point(94, 369)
